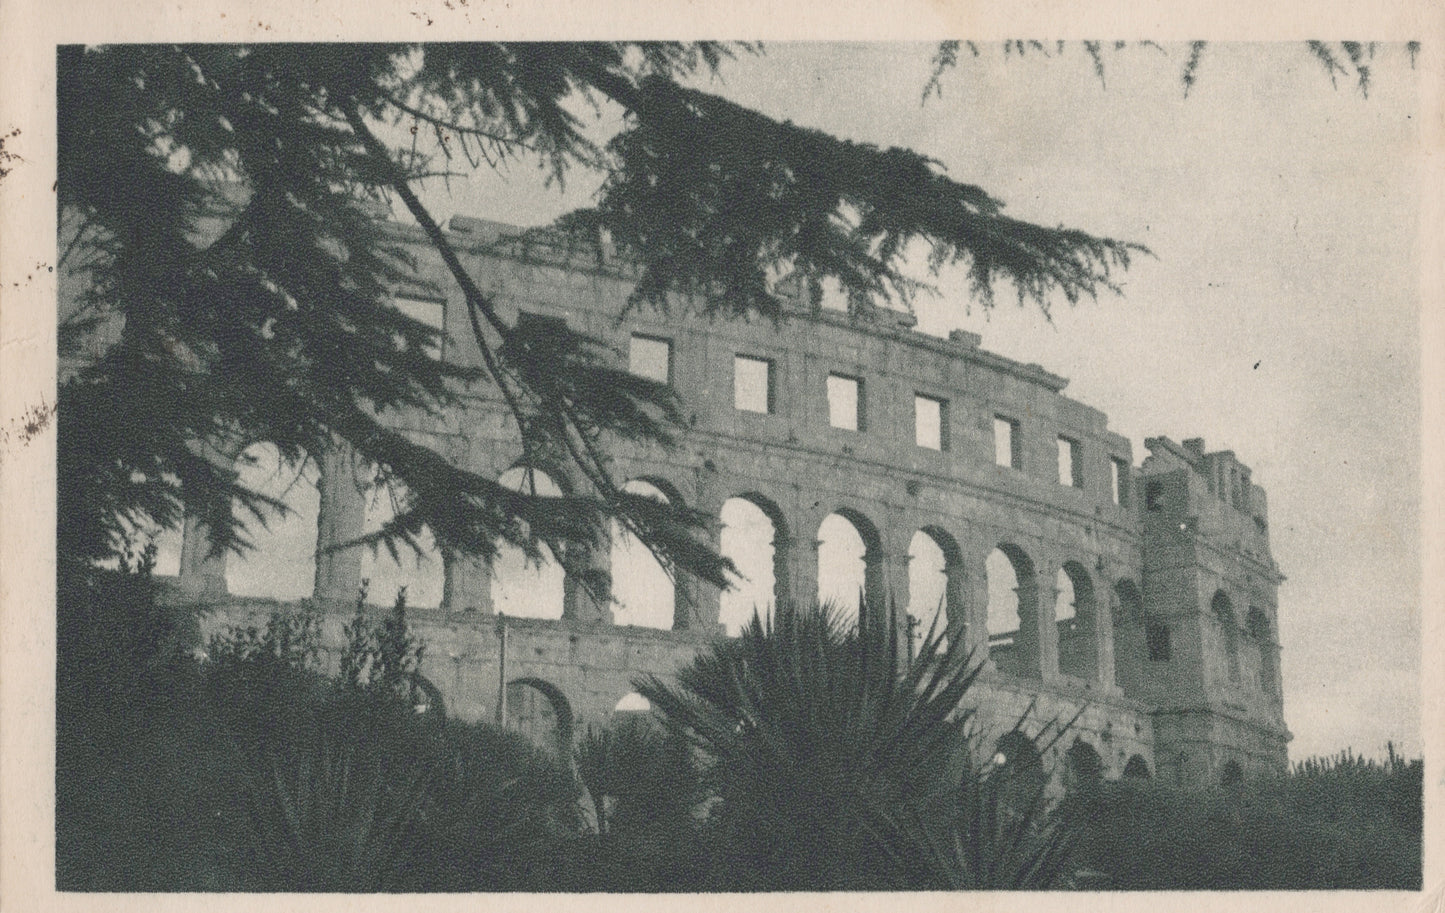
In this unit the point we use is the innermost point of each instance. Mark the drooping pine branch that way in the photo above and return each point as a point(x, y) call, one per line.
point(561, 393)
point(714, 200)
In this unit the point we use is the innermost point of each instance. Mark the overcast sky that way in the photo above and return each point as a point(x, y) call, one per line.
point(1279, 318)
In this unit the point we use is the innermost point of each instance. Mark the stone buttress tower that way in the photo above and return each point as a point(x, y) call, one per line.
point(1210, 617)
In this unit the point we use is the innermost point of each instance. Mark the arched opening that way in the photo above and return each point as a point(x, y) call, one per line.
point(1130, 646)
point(168, 545)
point(1229, 634)
point(1086, 768)
point(643, 592)
point(1076, 618)
point(935, 583)
point(1231, 774)
point(281, 564)
point(1258, 627)
point(524, 586)
point(1020, 767)
point(420, 570)
point(750, 538)
point(632, 706)
point(1137, 768)
point(849, 563)
point(1013, 643)
point(538, 709)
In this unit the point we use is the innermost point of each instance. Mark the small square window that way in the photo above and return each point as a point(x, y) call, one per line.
point(1007, 444)
point(1154, 496)
point(845, 402)
point(1071, 463)
point(1156, 634)
point(752, 384)
point(930, 422)
point(651, 358)
point(1119, 482)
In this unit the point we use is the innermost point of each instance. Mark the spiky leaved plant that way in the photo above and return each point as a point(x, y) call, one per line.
point(639, 777)
point(841, 765)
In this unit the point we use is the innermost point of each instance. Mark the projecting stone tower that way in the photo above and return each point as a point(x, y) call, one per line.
point(1208, 617)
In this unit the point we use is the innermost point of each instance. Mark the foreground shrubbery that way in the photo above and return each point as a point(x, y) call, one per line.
point(1334, 823)
point(253, 771)
point(804, 755)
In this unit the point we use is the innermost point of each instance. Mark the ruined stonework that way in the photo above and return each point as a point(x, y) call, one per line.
point(1170, 664)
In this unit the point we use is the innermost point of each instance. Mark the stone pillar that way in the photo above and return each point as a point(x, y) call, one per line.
point(595, 606)
point(958, 616)
point(1270, 677)
point(885, 581)
point(203, 567)
point(895, 590)
point(893, 569)
point(1042, 628)
point(782, 566)
point(974, 583)
point(1104, 630)
point(340, 519)
point(801, 572)
point(1027, 645)
point(468, 583)
point(696, 605)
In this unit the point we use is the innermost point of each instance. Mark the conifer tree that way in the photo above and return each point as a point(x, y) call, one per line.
point(219, 204)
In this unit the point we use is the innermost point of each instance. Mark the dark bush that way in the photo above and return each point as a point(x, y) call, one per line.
point(1342, 828)
point(253, 771)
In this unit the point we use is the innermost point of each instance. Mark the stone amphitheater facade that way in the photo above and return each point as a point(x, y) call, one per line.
point(1169, 665)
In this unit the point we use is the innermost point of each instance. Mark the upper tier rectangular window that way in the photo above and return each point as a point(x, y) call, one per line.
point(1156, 636)
point(1119, 482)
point(1071, 463)
point(1007, 444)
point(1153, 495)
point(752, 384)
point(845, 402)
point(651, 357)
point(930, 422)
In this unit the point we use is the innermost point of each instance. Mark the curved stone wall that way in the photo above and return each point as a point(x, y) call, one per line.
point(1066, 498)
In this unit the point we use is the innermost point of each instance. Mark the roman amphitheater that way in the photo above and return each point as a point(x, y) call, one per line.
point(1136, 599)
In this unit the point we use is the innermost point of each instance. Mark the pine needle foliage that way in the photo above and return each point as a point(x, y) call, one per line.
point(220, 207)
point(1352, 61)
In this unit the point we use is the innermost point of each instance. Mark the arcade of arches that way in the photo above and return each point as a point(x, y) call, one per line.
point(1035, 623)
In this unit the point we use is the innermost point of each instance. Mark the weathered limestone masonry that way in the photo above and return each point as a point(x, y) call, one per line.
point(1171, 661)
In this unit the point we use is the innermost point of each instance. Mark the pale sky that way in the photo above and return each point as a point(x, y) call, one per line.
point(1278, 319)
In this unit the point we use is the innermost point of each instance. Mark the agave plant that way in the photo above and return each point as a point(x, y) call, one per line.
point(841, 764)
point(331, 812)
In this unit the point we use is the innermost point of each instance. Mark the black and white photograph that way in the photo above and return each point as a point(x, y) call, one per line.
point(711, 467)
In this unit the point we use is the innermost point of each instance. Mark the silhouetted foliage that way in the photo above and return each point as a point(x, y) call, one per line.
point(1331, 823)
point(1351, 60)
point(220, 208)
point(838, 764)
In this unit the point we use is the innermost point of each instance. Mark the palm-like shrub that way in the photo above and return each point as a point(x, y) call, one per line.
point(842, 765)
point(638, 776)
point(644, 800)
point(331, 809)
